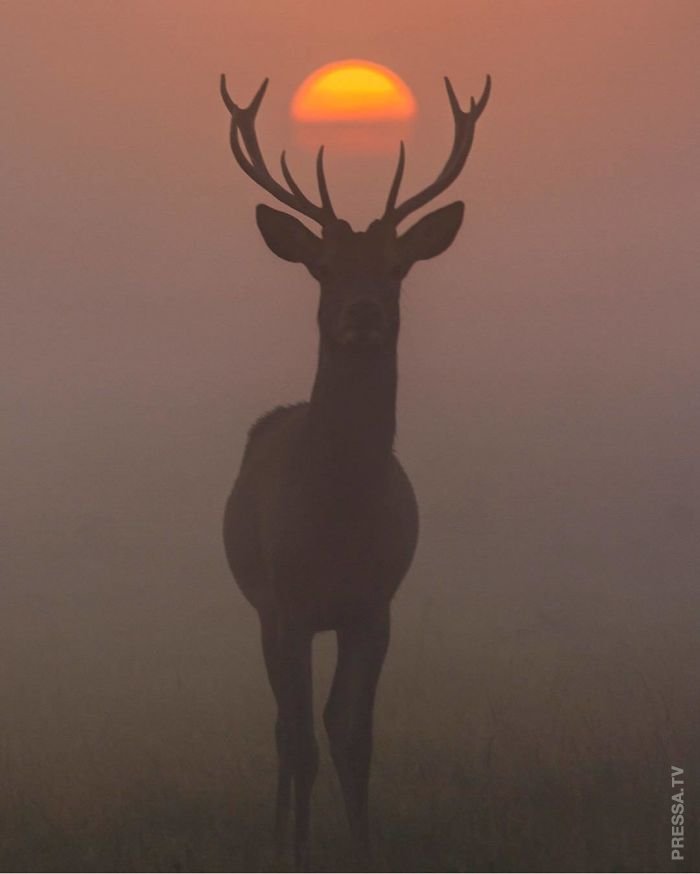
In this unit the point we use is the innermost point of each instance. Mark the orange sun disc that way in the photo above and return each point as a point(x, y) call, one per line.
point(353, 90)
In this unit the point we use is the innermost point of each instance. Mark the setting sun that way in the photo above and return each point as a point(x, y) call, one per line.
point(353, 90)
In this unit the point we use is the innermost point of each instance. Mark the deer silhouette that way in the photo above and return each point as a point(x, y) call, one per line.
point(322, 523)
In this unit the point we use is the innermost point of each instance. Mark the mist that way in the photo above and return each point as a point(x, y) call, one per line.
point(544, 651)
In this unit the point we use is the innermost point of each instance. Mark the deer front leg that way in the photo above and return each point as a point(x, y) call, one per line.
point(288, 660)
point(348, 716)
point(274, 663)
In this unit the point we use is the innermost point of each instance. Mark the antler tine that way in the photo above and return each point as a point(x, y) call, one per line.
point(465, 124)
point(286, 172)
point(322, 186)
point(396, 184)
point(296, 190)
point(246, 125)
point(253, 164)
point(454, 102)
point(230, 105)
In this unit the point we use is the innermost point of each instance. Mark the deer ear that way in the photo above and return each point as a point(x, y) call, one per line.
point(287, 237)
point(431, 235)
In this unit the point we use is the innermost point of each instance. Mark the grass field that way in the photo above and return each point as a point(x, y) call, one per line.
point(524, 763)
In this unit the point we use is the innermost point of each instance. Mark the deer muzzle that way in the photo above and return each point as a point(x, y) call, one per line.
point(363, 323)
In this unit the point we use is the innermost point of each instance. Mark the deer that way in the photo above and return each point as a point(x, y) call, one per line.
point(321, 526)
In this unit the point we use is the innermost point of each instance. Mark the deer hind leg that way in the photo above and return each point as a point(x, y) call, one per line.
point(348, 716)
point(288, 660)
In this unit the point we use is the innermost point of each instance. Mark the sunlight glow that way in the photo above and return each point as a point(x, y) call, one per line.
point(353, 90)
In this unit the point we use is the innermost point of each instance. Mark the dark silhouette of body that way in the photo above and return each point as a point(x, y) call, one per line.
point(322, 523)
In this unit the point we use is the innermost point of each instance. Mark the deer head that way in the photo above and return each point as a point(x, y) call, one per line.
point(360, 272)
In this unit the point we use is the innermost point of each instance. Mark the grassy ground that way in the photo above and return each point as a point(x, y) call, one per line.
point(504, 742)
point(502, 806)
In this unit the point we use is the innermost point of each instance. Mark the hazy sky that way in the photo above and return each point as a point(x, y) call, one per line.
point(549, 362)
point(129, 231)
point(144, 319)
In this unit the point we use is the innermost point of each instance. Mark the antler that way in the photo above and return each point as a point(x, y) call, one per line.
point(465, 124)
point(253, 164)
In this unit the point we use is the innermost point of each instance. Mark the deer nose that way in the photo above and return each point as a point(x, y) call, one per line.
point(364, 315)
point(363, 322)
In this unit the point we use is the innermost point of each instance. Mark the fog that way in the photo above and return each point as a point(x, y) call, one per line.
point(548, 417)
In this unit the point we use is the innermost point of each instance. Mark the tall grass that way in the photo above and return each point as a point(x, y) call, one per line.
point(527, 768)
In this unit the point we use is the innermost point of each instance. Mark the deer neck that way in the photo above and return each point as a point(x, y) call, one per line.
point(352, 413)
